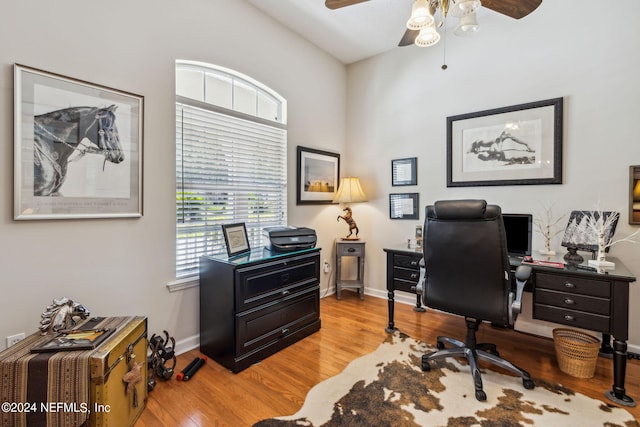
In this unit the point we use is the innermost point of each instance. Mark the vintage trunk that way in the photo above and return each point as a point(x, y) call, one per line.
point(113, 405)
point(77, 388)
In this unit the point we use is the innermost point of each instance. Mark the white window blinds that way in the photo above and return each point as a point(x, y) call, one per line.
point(229, 169)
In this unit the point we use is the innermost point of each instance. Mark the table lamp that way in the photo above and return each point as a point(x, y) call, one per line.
point(349, 191)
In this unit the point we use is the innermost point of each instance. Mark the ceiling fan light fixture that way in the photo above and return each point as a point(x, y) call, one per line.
point(468, 25)
point(465, 7)
point(427, 37)
point(421, 16)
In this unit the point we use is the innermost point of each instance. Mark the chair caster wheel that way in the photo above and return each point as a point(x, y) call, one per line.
point(425, 365)
point(481, 395)
point(528, 384)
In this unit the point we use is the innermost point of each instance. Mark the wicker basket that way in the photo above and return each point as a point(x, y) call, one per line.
point(576, 351)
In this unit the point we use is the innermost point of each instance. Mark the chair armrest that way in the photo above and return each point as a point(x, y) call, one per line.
point(523, 273)
point(421, 280)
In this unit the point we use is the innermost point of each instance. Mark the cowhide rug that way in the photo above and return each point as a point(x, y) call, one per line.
point(388, 388)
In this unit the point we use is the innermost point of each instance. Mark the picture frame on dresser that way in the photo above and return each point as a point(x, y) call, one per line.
point(235, 238)
point(514, 145)
point(77, 148)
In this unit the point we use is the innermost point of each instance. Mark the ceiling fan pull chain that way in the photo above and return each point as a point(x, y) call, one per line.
point(444, 50)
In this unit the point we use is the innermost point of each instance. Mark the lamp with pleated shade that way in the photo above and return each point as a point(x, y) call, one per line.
point(349, 191)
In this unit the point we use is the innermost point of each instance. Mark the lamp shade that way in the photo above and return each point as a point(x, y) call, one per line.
point(349, 191)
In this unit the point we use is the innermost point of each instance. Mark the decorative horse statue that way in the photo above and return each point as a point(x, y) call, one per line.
point(348, 218)
point(60, 134)
point(62, 314)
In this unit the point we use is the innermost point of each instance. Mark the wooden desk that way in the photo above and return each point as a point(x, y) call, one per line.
point(577, 296)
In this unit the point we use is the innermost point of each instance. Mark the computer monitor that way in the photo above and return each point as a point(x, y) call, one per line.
point(518, 228)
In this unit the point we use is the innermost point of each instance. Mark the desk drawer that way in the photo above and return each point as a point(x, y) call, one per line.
point(574, 318)
point(574, 285)
point(404, 285)
point(573, 301)
point(406, 274)
point(407, 261)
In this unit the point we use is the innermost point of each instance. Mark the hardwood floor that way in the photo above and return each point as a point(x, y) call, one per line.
point(350, 328)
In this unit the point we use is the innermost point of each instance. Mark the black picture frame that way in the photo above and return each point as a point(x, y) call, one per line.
point(317, 176)
point(404, 206)
point(515, 145)
point(46, 103)
point(235, 237)
point(404, 171)
point(577, 236)
point(634, 195)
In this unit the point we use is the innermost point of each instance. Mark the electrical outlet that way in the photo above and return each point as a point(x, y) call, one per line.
point(325, 265)
point(13, 339)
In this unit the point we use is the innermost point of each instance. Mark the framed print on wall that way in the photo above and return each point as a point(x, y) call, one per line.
point(235, 237)
point(404, 171)
point(77, 148)
point(520, 144)
point(404, 206)
point(318, 175)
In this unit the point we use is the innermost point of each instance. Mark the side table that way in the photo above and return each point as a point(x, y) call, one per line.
point(353, 248)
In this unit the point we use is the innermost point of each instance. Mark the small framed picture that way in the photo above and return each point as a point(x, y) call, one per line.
point(404, 206)
point(235, 236)
point(318, 176)
point(404, 171)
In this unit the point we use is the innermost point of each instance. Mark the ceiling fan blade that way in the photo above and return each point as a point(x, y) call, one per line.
point(337, 4)
point(516, 9)
point(409, 37)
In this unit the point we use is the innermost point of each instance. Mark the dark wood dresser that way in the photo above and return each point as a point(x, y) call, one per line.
point(255, 304)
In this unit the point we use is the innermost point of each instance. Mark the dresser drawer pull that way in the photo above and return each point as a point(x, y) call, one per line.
point(569, 318)
point(285, 331)
point(413, 288)
point(414, 263)
point(285, 292)
point(351, 249)
point(414, 275)
point(569, 285)
point(569, 301)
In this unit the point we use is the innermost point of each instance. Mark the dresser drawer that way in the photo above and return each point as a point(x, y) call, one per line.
point(573, 301)
point(269, 324)
point(406, 261)
point(574, 285)
point(273, 281)
point(406, 274)
point(574, 318)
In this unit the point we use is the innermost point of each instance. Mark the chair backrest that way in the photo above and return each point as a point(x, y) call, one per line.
point(467, 266)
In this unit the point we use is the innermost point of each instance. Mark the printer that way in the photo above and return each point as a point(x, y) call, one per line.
point(289, 238)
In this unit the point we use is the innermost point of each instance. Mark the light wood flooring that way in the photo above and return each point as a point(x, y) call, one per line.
point(350, 328)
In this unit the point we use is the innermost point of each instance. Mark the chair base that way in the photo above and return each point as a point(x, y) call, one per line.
point(486, 352)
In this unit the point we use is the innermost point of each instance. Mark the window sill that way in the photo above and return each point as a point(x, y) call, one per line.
point(183, 284)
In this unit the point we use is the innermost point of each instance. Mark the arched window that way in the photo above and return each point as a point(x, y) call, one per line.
point(231, 160)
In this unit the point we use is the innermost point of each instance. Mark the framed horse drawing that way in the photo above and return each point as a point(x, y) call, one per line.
point(77, 148)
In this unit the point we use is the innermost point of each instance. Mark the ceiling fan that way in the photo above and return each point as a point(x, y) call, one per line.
point(421, 25)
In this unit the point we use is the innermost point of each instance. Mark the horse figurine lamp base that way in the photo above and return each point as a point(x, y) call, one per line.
point(348, 218)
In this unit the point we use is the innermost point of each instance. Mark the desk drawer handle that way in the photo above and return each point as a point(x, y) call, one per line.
point(413, 288)
point(414, 263)
point(285, 293)
point(569, 285)
point(414, 275)
point(569, 318)
point(569, 301)
point(285, 331)
point(351, 249)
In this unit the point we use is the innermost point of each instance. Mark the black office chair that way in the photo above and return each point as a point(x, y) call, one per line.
point(465, 271)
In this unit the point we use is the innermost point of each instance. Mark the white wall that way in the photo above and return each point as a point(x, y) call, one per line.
point(121, 267)
point(398, 103)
